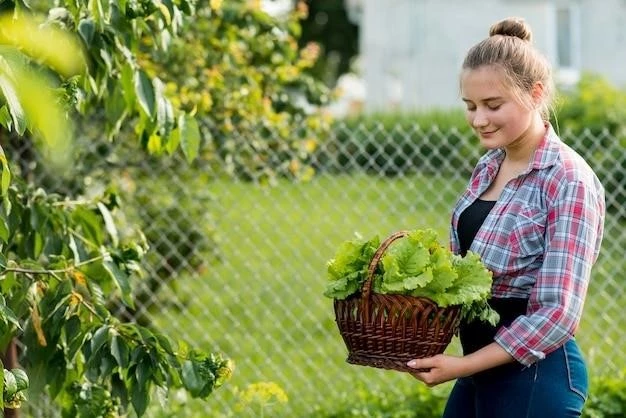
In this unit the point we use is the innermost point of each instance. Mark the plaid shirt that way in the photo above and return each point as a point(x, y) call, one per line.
point(539, 240)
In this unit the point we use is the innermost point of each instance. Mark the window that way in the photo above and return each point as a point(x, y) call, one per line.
point(566, 41)
point(564, 37)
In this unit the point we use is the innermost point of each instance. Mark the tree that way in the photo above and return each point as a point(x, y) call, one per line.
point(60, 259)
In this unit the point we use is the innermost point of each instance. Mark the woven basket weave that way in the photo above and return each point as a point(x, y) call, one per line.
point(386, 330)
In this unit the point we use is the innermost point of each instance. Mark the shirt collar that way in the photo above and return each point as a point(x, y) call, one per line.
point(547, 153)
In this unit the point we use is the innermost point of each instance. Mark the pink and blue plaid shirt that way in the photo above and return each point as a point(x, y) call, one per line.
point(540, 240)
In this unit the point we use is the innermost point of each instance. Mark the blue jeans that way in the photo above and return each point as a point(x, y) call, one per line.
point(555, 387)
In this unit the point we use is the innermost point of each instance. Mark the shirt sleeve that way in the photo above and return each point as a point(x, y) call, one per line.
point(572, 239)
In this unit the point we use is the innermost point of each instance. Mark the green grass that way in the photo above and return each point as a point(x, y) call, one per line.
point(263, 305)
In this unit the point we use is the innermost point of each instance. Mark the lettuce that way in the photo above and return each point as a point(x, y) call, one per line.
point(415, 265)
point(347, 271)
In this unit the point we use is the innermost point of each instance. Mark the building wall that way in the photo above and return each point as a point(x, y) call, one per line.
point(604, 38)
point(412, 50)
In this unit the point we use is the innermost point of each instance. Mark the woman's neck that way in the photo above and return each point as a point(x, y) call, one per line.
point(521, 150)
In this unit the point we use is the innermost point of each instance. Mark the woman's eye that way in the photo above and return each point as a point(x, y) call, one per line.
point(494, 107)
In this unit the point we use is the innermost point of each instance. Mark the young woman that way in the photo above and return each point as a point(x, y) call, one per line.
point(534, 211)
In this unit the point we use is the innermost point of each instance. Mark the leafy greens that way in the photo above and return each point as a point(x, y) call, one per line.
point(414, 265)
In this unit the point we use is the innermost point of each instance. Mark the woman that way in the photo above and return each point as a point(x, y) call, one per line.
point(534, 211)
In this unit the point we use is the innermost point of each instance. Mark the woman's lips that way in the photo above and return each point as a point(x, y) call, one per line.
point(487, 134)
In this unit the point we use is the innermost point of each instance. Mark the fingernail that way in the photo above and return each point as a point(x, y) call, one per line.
point(411, 363)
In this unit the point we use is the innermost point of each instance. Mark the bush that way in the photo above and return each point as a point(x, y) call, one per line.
point(422, 402)
point(607, 398)
point(592, 118)
point(398, 143)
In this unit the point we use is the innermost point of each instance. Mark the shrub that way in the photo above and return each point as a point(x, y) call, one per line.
point(592, 118)
point(421, 402)
point(398, 143)
point(607, 398)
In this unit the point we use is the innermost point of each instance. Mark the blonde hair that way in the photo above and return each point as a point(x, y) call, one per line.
point(509, 47)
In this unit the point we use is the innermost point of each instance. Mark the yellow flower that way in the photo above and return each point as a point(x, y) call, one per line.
point(261, 393)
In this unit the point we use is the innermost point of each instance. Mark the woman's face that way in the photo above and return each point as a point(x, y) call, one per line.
point(493, 110)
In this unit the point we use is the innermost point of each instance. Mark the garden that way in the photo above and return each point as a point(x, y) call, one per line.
point(170, 201)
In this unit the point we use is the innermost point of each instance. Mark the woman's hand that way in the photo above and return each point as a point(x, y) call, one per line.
point(442, 368)
point(438, 369)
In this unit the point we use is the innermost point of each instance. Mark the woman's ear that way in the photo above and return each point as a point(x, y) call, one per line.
point(537, 93)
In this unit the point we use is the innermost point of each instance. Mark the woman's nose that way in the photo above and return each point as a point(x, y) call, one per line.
point(480, 120)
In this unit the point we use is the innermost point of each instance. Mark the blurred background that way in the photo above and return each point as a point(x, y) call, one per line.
point(316, 121)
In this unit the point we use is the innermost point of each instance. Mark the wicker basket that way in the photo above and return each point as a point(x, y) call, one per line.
point(385, 330)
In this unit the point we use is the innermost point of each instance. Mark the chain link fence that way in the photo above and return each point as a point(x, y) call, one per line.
point(238, 266)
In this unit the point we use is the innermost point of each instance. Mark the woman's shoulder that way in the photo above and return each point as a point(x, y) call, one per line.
point(572, 167)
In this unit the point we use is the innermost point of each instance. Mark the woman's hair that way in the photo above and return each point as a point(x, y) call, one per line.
point(509, 47)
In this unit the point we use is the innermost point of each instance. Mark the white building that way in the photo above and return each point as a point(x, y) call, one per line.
point(417, 46)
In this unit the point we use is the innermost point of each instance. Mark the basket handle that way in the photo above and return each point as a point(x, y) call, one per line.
point(367, 286)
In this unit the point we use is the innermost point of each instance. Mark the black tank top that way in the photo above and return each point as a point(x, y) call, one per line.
point(477, 334)
point(471, 220)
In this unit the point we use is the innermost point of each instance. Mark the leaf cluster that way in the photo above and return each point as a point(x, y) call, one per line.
point(62, 263)
point(14, 384)
point(243, 74)
point(414, 265)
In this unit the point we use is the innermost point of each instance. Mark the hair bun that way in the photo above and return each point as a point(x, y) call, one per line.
point(512, 26)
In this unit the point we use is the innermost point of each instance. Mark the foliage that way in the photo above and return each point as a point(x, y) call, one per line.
point(62, 260)
point(415, 265)
point(259, 397)
point(596, 110)
point(178, 222)
point(593, 105)
point(607, 397)
point(59, 260)
point(14, 384)
point(420, 402)
point(241, 72)
point(398, 143)
point(28, 103)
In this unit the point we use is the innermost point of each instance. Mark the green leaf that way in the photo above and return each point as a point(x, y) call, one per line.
point(21, 379)
point(90, 225)
point(7, 315)
point(87, 30)
point(140, 398)
point(116, 112)
point(100, 337)
point(128, 88)
point(10, 384)
point(109, 224)
point(164, 111)
point(5, 118)
point(144, 91)
point(4, 229)
point(12, 99)
point(5, 180)
point(121, 280)
point(191, 378)
point(189, 136)
point(120, 351)
point(173, 141)
point(143, 372)
point(411, 260)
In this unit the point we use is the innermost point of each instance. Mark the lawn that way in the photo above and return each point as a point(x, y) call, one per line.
point(263, 305)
